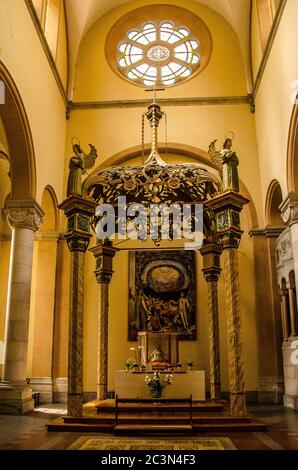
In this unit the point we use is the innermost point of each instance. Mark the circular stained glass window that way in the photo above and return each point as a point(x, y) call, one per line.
point(159, 54)
point(161, 51)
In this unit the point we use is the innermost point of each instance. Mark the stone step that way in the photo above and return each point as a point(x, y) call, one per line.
point(156, 419)
point(153, 429)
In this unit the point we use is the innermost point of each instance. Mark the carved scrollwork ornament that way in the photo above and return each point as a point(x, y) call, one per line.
point(23, 218)
point(289, 209)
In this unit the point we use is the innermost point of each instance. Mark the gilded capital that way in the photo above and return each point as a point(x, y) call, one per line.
point(289, 209)
point(24, 214)
point(103, 277)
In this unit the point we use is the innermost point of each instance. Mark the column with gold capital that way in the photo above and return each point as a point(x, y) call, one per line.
point(104, 254)
point(211, 269)
point(24, 218)
point(227, 207)
point(78, 212)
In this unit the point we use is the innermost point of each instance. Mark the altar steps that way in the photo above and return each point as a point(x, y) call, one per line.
point(137, 418)
point(152, 420)
point(149, 429)
point(221, 425)
point(133, 407)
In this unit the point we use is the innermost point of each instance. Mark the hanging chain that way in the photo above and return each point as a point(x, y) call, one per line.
point(143, 135)
point(166, 132)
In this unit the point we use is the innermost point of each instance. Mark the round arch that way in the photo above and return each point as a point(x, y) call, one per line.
point(273, 201)
point(189, 151)
point(292, 152)
point(49, 204)
point(19, 139)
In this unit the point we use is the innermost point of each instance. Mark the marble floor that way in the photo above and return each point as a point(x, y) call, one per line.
point(29, 432)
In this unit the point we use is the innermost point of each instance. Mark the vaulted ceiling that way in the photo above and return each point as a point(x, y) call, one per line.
point(81, 15)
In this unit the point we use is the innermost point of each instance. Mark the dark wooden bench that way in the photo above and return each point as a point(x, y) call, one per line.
point(148, 427)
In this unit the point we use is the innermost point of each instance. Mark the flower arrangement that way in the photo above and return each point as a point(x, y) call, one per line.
point(157, 383)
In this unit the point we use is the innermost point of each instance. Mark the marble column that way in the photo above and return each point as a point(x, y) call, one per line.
point(235, 350)
point(211, 269)
point(24, 218)
point(285, 313)
point(292, 311)
point(104, 254)
point(78, 212)
point(226, 208)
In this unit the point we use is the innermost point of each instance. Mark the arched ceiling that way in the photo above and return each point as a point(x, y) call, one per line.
point(81, 15)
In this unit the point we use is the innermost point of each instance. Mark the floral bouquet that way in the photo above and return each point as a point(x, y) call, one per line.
point(157, 383)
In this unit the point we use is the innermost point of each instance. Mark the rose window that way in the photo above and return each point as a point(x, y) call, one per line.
point(158, 54)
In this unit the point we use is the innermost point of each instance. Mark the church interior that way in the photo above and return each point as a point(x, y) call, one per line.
point(109, 339)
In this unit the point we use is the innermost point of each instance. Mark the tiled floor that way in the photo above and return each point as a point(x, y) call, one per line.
point(29, 432)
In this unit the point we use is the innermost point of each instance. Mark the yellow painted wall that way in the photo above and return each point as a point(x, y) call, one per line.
point(256, 46)
point(61, 53)
point(273, 101)
point(23, 55)
point(224, 76)
point(4, 233)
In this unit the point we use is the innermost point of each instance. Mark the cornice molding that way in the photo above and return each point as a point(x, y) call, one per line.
point(46, 49)
point(195, 101)
point(266, 54)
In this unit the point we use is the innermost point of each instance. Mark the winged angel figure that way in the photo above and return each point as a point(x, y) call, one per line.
point(216, 156)
point(79, 163)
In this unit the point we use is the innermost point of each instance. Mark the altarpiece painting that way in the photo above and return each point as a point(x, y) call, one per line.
point(162, 293)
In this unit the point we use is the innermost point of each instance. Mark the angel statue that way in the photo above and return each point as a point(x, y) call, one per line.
point(79, 162)
point(226, 161)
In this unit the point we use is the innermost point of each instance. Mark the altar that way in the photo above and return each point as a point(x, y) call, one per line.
point(131, 384)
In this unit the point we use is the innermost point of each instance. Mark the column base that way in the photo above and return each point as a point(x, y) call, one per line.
point(44, 386)
point(238, 404)
point(271, 390)
point(102, 392)
point(15, 399)
point(75, 404)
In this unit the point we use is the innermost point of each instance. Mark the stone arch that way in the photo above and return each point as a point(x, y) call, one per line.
point(189, 151)
point(49, 203)
point(273, 200)
point(292, 152)
point(19, 139)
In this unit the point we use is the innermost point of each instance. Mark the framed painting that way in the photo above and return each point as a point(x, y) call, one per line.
point(162, 293)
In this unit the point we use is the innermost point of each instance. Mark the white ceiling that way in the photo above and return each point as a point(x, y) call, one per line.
point(82, 14)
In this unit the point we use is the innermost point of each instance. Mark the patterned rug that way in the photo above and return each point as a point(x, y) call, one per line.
point(110, 443)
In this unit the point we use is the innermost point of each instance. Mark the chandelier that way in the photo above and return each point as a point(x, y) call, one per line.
point(154, 182)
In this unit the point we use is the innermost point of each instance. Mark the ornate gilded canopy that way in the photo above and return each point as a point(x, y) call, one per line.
point(154, 182)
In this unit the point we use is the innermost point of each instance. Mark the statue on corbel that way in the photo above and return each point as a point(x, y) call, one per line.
point(226, 161)
point(78, 164)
